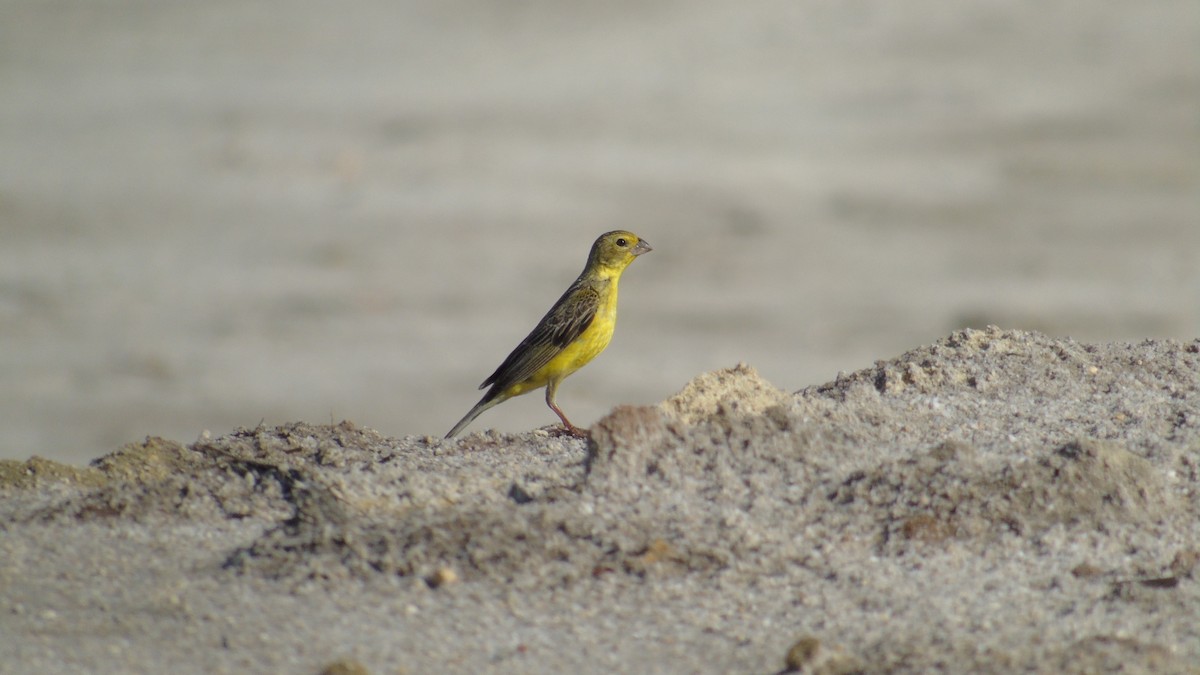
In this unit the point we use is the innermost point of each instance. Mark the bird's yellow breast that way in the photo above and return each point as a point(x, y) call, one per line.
point(586, 347)
point(590, 343)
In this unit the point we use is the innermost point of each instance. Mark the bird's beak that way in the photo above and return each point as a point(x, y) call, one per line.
point(640, 248)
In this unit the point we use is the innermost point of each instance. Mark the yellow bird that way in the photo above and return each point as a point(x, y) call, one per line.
point(577, 328)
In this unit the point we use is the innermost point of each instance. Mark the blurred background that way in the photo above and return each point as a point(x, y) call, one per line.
point(215, 214)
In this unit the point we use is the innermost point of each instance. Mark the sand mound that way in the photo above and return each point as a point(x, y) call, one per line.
point(996, 501)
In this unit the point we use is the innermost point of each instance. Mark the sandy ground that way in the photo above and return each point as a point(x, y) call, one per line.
point(215, 214)
point(998, 501)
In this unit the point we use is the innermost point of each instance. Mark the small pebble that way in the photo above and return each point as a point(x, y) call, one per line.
point(442, 577)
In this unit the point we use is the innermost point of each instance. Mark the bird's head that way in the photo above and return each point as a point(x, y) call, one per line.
point(613, 251)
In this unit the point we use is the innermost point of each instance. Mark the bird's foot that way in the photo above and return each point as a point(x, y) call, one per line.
point(570, 430)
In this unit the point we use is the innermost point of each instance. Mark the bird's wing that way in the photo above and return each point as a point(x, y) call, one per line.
point(562, 325)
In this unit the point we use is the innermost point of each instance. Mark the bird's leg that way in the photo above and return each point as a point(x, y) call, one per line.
point(551, 387)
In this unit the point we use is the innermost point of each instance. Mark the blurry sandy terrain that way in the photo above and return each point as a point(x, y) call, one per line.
point(995, 502)
point(217, 213)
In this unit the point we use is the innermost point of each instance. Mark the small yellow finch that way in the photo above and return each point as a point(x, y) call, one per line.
point(577, 328)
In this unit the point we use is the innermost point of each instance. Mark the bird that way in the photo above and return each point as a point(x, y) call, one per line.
point(577, 328)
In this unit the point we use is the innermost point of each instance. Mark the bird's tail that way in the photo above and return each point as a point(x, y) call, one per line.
point(483, 404)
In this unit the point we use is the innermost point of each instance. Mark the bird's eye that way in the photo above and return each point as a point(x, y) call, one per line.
point(622, 243)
